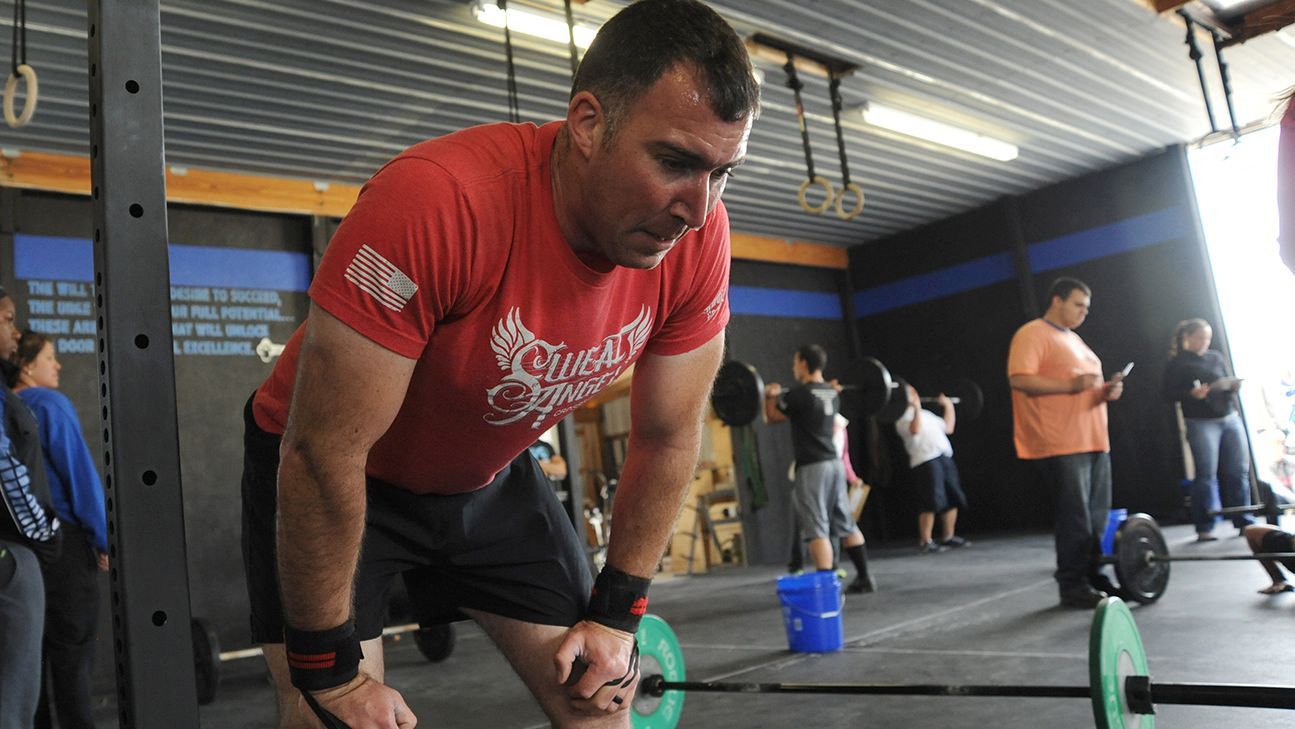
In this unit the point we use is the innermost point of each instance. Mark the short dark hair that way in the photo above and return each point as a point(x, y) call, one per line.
point(646, 39)
point(1062, 287)
point(814, 357)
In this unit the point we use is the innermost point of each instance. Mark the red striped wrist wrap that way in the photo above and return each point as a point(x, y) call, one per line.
point(619, 600)
point(322, 659)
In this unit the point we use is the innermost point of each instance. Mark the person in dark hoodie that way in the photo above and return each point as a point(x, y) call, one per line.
point(29, 539)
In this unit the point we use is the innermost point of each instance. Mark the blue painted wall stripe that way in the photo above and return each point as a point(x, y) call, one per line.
point(1086, 245)
point(55, 258)
point(753, 301)
point(1108, 240)
point(933, 285)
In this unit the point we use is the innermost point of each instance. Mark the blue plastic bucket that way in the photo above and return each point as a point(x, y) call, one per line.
point(811, 612)
point(1113, 523)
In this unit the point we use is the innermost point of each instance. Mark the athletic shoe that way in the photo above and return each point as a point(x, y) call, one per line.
point(1206, 537)
point(841, 573)
point(955, 542)
point(861, 585)
point(929, 547)
point(1085, 598)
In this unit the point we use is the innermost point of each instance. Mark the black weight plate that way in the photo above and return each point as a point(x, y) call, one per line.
point(971, 400)
point(874, 385)
point(897, 405)
point(738, 394)
point(1137, 542)
point(435, 642)
point(206, 659)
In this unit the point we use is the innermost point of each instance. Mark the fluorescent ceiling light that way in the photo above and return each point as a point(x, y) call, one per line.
point(938, 132)
point(532, 22)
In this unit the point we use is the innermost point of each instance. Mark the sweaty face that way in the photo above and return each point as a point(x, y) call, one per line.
point(1199, 340)
point(1074, 309)
point(43, 371)
point(662, 172)
point(8, 329)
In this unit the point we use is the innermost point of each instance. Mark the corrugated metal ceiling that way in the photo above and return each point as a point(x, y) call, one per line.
point(328, 89)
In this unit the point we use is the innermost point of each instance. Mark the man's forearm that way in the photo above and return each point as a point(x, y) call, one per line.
point(320, 525)
point(651, 491)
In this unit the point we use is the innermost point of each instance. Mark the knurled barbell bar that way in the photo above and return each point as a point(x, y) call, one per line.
point(1141, 559)
point(1120, 689)
point(1268, 506)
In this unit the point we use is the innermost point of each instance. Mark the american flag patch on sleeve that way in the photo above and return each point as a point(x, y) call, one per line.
point(379, 278)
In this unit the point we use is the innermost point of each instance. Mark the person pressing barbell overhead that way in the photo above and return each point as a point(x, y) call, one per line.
point(1268, 539)
point(1197, 378)
point(820, 496)
point(1059, 423)
point(930, 455)
point(482, 287)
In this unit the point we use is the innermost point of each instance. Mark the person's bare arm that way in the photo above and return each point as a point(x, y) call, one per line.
point(772, 414)
point(348, 391)
point(950, 417)
point(1042, 385)
point(668, 401)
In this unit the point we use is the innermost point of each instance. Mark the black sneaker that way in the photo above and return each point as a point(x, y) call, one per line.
point(1082, 599)
point(929, 547)
point(955, 542)
point(1102, 583)
point(861, 585)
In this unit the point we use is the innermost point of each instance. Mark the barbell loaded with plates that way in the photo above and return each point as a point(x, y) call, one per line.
point(1141, 559)
point(1120, 689)
point(738, 392)
point(435, 642)
point(966, 396)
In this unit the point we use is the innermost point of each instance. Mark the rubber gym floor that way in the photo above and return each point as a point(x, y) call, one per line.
point(986, 614)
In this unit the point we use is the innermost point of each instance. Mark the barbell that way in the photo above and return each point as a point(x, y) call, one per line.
point(1268, 506)
point(435, 642)
point(967, 398)
point(1141, 559)
point(867, 389)
point(1120, 688)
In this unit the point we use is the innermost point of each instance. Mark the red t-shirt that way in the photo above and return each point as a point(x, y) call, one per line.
point(452, 256)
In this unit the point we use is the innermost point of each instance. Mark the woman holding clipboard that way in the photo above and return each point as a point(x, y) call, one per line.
point(1198, 379)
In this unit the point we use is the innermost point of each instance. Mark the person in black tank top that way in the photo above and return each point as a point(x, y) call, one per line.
point(819, 497)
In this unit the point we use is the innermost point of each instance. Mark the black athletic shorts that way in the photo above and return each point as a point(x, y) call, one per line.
point(938, 486)
point(1278, 541)
point(508, 548)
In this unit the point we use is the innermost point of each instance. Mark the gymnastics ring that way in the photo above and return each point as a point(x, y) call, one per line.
point(827, 199)
point(853, 212)
point(28, 74)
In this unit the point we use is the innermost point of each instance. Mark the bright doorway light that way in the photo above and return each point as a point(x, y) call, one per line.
point(1236, 192)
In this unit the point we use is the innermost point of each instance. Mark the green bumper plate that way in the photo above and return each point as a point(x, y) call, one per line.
point(1114, 653)
point(660, 654)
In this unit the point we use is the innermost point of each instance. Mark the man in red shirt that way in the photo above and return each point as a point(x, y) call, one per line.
point(483, 286)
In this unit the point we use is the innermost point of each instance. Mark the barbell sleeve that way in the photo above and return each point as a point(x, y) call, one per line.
point(954, 400)
point(1214, 694)
point(1218, 558)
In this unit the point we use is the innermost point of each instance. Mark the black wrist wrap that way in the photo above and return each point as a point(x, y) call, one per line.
point(322, 659)
point(619, 600)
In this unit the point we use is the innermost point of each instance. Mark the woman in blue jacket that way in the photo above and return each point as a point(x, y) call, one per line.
point(71, 583)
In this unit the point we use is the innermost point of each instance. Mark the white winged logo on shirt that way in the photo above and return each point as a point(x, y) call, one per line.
point(549, 380)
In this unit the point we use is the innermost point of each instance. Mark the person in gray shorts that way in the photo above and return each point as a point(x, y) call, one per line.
point(820, 501)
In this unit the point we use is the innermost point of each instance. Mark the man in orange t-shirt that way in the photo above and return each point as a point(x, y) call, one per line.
point(1059, 411)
